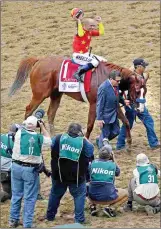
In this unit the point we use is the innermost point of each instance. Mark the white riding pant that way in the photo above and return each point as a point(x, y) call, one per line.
point(83, 59)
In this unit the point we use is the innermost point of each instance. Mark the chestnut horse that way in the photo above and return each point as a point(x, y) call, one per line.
point(44, 80)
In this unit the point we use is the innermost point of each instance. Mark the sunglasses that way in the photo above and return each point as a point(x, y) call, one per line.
point(117, 81)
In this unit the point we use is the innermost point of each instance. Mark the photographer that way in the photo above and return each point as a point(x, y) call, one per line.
point(70, 153)
point(6, 162)
point(26, 158)
point(102, 179)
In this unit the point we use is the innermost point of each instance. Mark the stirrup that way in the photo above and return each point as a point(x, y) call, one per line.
point(76, 76)
point(82, 78)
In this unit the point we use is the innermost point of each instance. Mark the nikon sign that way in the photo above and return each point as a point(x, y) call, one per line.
point(68, 147)
point(102, 171)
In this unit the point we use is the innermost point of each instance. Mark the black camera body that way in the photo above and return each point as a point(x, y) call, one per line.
point(79, 13)
point(39, 114)
point(42, 168)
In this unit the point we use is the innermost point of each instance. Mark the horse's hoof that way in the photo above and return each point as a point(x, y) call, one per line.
point(129, 141)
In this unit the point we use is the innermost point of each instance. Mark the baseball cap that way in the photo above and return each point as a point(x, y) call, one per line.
point(113, 74)
point(142, 159)
point(140, 61)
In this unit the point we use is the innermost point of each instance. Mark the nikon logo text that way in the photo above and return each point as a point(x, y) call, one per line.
point(102, 171)
point(68, 147)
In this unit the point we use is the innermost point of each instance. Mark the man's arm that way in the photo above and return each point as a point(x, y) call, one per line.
point(100, 103)
point(101, 29)
point(117, 172)
point(80, 31)
point(46, 135)
point(156, 169)
point(121, 99)
point(88, 148)
point(136, 176)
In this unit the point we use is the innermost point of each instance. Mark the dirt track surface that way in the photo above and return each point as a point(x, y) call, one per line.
point(46, 28)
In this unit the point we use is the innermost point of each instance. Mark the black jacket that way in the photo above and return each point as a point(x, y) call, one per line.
point(68, 168)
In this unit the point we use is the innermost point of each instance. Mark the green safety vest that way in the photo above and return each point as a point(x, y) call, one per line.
point(103, 171)
point(30, 144)
point(147, 174)
point(70, 148)
point(5, 145)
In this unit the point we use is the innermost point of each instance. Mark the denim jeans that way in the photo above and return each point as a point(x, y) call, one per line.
point(58, 190)
point(24, 183)
point(109, 131)
point(148, 122)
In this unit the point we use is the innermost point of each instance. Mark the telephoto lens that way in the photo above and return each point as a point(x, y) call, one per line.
point(39, 114)
point(105, 141)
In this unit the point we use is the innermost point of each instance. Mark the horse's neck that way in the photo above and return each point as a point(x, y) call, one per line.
point(123, 71)
point(100, 74)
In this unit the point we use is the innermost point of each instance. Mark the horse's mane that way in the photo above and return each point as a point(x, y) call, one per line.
point(102, 72)
point(125, 72)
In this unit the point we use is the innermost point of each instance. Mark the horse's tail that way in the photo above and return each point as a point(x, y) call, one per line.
point(22, 74)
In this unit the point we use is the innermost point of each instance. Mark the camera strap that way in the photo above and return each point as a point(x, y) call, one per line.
point(9, 149)
point(39, 143)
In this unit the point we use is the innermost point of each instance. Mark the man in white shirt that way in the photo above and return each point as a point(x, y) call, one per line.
point(143, 187)
point(26, 157)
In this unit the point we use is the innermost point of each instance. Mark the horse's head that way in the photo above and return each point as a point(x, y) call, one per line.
point(134, 83)
point(137, 91)
point(130, 81)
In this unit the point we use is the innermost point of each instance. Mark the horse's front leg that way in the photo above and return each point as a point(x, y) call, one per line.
point(54, 104)
point(91, 119)
point(125, 121)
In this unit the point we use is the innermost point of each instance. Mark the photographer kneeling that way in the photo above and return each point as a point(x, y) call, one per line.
point(102, 189)
point(26, 158)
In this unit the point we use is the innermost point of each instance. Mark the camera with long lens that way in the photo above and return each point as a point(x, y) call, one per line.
point(79, 13)
point(42, 168)
point(106, 143)
point(39, 114)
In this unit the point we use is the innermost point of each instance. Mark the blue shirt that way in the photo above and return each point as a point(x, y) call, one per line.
point(107, 103)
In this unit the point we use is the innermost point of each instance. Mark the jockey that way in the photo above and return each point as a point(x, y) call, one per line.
point(81, 42)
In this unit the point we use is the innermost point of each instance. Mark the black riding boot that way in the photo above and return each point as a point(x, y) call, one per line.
point(79, 74)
